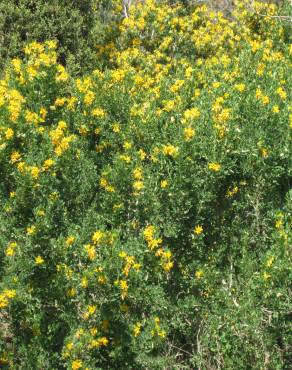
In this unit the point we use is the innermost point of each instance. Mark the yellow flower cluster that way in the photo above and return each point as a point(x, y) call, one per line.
point(59, 140)
point(10, 250)
point(130, 263)
point(6, 296)
point(154, 245)
point(157, 328)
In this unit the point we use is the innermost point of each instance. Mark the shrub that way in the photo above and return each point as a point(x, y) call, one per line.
point(146, 208)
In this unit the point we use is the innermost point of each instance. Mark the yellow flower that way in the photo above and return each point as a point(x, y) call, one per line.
point(177, 86)
point(148, 233)
point(167, 266)
point(5, 296)
point(192, 113)
point(93, 331)
point(123, 254)
point(127, 145)
point(64, 144)
point(70, 240)
point(167, 254)
point(282, 93)
point(163, 184)
point(15, 156)
point(265, 100)
point(143, 155)
point(102, 279)
point(9, 133)
point(189, 133)
point(91, 252)
point(258, 94)
point(103, 341)
point(169, 105)
point(16, 65)
point(275, 109)
point(137, 329)
point(232, 191)
point(31, 117)
point(116, 127)
point(41, 130)
point(137, 266)
point(76, 365)
point(125, 158)
point(61, 75)
point(97, 236)
point(71, 293)
point(31, 230)
point(84, 282)
point(9, 293)
point(170, 150)
point(264, 152)
point(91, 310)
point(47, 164)
point(54, 195)
point(3, 301)
point(137, 173)
point(123, 285)
point(95, 343)
point(239, 87)
point(89, 98)
point(214, 166)
point(199, 274)
point(197, 93)
point(198, 229)
point(10, 251)
point(138, 185)
point(154, 243)
point(161, 333)
point(216, 84)
point(69, 346)
point(51, 44)
point(223, 116)
point(98, 112)
point(39, 260)
point(270, 261)
point(59, 102)
point(71, 103)
point(62, 125)
point(278, 224)
point(35, 172)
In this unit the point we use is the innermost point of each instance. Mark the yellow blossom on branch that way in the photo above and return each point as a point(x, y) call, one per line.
point(214, 166)
point(198, 229)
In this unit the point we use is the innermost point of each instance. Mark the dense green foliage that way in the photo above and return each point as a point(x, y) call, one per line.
point(77, 25)
point(146, 206)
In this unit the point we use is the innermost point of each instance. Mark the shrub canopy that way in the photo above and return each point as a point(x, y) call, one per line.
point(146, 207)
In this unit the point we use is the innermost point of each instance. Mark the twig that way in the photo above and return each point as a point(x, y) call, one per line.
point(180, 349)
point(126, 7)
point(281, 17)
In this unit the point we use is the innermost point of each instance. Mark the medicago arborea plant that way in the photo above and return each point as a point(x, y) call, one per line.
point(146, 207)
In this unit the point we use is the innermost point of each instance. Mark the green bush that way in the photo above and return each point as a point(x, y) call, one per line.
point(146, 208)
point(77, 26)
